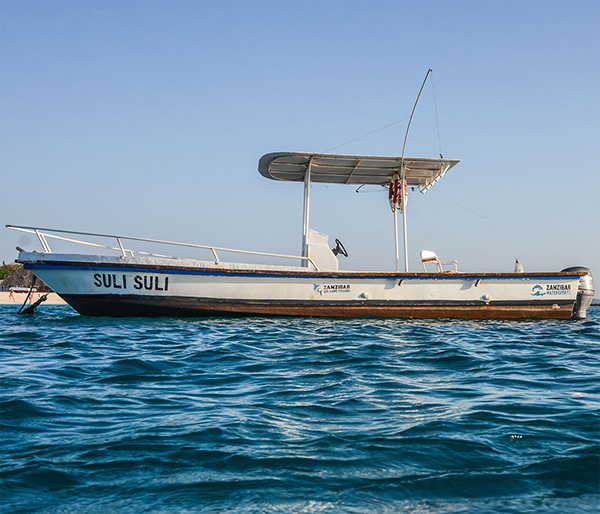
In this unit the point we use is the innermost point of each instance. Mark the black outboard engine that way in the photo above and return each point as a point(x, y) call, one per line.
point(585, 292)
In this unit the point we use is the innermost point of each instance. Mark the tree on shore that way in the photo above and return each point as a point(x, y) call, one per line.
point(6, 270)
point(15, 275)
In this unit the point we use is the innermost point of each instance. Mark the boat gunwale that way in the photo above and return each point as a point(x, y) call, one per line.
point(223, 270)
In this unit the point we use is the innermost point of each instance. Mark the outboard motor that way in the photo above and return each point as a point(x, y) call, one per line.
point(585, 292)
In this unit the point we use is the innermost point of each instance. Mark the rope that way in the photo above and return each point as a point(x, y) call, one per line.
point(368, 134)
point(457, 204)
point(28, 294)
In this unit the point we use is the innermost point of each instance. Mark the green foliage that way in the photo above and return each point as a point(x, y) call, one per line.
point(8, 269)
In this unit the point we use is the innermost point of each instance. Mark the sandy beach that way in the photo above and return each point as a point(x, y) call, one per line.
point(19, 298)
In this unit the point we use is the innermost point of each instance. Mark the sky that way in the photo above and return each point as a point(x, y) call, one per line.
point(149, 118)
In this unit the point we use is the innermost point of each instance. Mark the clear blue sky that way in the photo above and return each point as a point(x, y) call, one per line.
point(148, 118)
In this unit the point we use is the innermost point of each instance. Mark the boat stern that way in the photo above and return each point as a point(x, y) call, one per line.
point(585, 292)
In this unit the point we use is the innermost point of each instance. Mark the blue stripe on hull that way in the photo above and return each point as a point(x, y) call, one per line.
point(300, 274)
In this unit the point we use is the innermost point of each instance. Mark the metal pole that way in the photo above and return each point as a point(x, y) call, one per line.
point(396, 239)
point(404, 218)
point(306, 212)
point(43, 241)
point(121, 247)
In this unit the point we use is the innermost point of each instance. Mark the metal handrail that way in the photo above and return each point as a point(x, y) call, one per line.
point(40, 233)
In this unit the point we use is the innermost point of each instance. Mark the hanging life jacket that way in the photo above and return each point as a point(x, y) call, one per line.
point(395, 193)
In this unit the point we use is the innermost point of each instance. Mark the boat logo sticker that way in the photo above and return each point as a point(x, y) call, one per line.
point(331, 288)
point(537, 290)
point(551, 290)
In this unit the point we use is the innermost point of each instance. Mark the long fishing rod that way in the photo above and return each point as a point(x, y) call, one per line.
point(402, 182)
point(413, 112)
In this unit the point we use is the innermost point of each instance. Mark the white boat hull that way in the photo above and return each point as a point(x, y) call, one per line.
point(137, 286)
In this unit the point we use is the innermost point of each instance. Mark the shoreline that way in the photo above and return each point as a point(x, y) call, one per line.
point(19, 298)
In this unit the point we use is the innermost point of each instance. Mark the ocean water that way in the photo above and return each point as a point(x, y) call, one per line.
point(262, 415)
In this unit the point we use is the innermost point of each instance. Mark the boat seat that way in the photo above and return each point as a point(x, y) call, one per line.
point(429, 256)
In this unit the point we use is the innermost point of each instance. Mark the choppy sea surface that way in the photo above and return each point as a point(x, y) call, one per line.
point(257, 415)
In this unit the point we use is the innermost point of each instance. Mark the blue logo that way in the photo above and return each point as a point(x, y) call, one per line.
point(537, 290)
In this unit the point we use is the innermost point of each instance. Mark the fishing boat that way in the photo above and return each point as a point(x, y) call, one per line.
point(122, 281)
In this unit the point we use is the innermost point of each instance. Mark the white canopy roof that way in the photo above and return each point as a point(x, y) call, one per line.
point(353, 169)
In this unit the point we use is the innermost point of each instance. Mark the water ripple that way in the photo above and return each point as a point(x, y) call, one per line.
point(284, 415)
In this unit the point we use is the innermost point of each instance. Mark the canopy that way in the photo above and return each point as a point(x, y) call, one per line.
point(353, 169)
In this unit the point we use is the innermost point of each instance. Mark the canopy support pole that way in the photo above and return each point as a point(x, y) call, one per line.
point(305, 215)
point(402, 182)
point(396, 240)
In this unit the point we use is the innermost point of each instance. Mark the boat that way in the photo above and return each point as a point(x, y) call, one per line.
point(21, 290)
point(121, 281)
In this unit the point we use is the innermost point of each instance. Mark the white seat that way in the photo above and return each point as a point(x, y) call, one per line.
point(429, 256)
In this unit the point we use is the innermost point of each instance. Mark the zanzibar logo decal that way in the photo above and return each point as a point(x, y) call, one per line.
point(551, 290)
point(331, 288)
point(558, 289)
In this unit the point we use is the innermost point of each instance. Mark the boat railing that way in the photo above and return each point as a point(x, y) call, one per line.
point(43, 235)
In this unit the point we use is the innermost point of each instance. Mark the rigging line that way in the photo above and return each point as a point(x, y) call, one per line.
point(437, 121)
point(358, 189)
point(368, 134)
point(457, 204)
